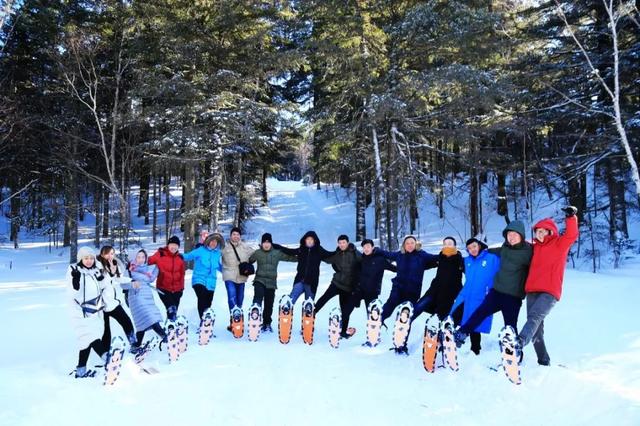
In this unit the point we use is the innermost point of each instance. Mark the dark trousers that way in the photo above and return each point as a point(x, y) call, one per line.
point(120, 315)
point(475, 336)
point(260, 293)
point(205, 297)
point(343, 297)
point(424, 304)
point(83, 355)
point(353, 302)
point(171, 301)
point(155, 327)
point(495, 302)
point(397, 296)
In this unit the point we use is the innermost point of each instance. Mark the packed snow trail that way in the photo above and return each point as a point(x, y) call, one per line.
point(593, 331)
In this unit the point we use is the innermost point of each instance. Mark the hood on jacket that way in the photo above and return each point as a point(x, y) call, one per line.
point(311, 234)
point(215, 236)
point(418, 243)
point(516, 226)
point(548, 224)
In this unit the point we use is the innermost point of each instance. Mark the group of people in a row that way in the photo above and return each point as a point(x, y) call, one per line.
point(496, 280)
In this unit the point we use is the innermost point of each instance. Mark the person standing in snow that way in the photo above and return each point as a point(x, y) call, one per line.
point(234, 253)
point(265, 282)
point(369, 281)
point(208, 261)
point(146, 314)
point(346, 265)
point(480, 268)
point(544, 283)
point(310, 253)
point(171, 269)
point(85, 284)
point(117, 274)
point(446, 285)
point(508, 284)
point(411, 262)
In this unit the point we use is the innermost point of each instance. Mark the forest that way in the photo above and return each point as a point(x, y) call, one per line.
point(508, 102)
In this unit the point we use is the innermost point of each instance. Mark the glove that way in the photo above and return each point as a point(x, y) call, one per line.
point(570, 211)
point(75, 275)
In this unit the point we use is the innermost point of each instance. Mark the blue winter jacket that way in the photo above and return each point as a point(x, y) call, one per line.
point(479, 272)
point(411, 267)
point(207, 262)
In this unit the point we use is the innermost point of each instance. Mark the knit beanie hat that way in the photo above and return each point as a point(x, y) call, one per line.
point(174, 240)
point(85, 251)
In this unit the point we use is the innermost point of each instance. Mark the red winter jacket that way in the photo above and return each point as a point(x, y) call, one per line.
point(171, 267)
point(549, 257)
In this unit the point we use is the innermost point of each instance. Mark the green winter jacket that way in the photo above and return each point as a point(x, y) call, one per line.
point(346, 265)
point(267, 270)
point(514, 263)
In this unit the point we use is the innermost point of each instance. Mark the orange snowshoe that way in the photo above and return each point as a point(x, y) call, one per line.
point(430, 344)
point(237, 322)
point(285, 319)
point(308, 320)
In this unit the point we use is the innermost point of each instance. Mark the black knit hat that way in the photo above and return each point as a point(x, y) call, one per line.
point(367, 241)
point(266, 237)
point(235, 229)
point(174, 240)
point(455, 243)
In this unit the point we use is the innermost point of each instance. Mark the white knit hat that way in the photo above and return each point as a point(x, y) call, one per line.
point(85, 251)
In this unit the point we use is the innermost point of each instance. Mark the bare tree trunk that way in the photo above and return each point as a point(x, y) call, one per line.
point(105, 213)
point(145, 181)
point(503, 206)
point(361, 207)
point(617, 207)
point(97, 211)
point(216, 190)
point(190, 217)
point(265, 175)
point(154, 228)
point(167, 202)
point(240, 194)
point(381, 201)
point(15, 205)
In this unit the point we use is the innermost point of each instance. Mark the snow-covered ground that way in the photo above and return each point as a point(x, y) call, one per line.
point(594, 333)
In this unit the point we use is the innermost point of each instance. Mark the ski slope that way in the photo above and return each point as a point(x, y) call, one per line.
point(593, 332)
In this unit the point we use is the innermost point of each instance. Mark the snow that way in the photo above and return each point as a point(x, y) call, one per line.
point(593, 332)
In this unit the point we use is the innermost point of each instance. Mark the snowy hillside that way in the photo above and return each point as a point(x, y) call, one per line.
point(593, 336)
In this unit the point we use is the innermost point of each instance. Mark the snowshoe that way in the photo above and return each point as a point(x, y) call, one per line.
point(308, 320)
point(172, 340)
point(374, 312)
point(144, 350)
point(449, 344)
point(511, 352)
point(335, 326)
point(237, 322)
point(285, 319)
point(402, 327)
point(254, 322)
point(430, 343)
point(114, 361)
point(206, 327)
point(182, 332)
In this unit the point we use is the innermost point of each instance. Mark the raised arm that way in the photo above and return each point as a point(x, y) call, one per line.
point(391, 255)
point(429, 260)
point(571, 231)
point(286, 250)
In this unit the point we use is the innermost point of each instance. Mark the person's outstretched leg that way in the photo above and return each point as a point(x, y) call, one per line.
point(424, 304)
point(392, 302)
point(331, 292)
point(296, 292)
point(267, 313)
point(231, 294)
